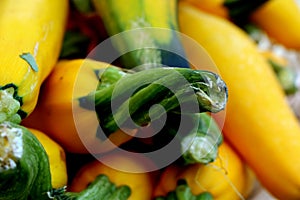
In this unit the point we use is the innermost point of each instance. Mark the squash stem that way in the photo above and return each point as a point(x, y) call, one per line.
point(196, 137)
point(201, 145)
point(183, 192)
point(131, 96)
point(286, 77)
point(100, 188)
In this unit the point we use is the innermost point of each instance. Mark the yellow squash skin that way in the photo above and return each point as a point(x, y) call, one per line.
point(259, 122)
point(227, 178)
point(35, 27)
point(281, 21)
point(57, 159)
point(215, 7)
point(140, 183)
point(57, 104)
point(139, 14)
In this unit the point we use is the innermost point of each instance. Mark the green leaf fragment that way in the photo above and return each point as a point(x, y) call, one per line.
point(183, 192)
point(75, 45)
point(83, 6)
point(30, 60)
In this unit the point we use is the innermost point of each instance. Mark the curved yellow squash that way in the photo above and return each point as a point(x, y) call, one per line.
point(59, 114)
point(33, 29)
point(57, 159)
point(281, 21)
point(227, 178)
point(259, 122)
point(215, 7)
point(132, 172)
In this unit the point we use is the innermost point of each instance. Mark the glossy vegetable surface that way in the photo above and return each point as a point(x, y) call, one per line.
point(280, 19)
point(31, 37)
point(226, 178)
point(57, 158)
point(25, 171)
point(54, 112)
point(215, 7)
point(259, 122)
point(108, 102)
point(24, 165)
point(121, 170)
point(149, 32)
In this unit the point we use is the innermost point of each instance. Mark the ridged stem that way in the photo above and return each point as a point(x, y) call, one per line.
point(130, 98)
point(100, 188)
point(183, 192)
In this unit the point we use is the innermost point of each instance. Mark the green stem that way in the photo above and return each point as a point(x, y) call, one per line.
point(183, 192)
point(198, 141)
point(83, 6)
point(132, 95)
point(201, 146)
point(100, 188)
point(109, 76)
point(75, 45)
point(286, 77)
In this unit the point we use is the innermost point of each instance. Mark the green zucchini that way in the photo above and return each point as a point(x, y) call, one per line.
point(25, 172)
point(149, 30)
point(24, 165)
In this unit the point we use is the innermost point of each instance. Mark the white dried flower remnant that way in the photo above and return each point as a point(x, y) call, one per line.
point(292, 56)
point(11, 146)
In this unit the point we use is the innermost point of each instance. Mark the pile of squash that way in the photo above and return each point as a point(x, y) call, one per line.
point(45, 43)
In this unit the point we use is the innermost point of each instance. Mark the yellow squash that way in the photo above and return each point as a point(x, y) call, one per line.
point(58, 104)
point(121, 170)
point(215, 7)
point(227, 178)
point(57, 159)
point(281, 21)
point(31, 35)
point(259, 123)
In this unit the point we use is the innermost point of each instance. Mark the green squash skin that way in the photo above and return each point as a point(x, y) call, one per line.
point(139, 19)
point(31, 178)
